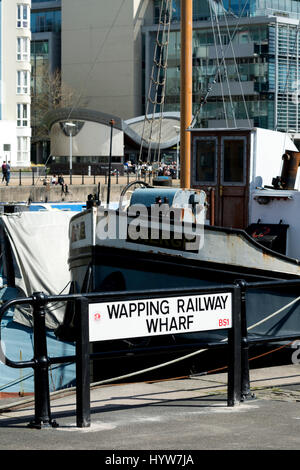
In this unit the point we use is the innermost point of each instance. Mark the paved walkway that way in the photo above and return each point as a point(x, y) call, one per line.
point(166, 417)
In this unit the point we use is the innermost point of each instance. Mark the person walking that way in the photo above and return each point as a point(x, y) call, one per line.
point(7, 178)
point(3, 168)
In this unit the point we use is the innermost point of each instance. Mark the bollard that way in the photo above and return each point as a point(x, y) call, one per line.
point(20, 178)
point(41, 369)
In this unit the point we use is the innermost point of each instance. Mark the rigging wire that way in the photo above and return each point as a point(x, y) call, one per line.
point(157, 80)
point(225, 66)
point(204, 99)
point(218, 66)
point(236, 68)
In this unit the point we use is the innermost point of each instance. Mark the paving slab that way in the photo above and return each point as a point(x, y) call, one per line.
point(187, 415)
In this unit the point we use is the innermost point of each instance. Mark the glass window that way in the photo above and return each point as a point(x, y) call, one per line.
point(22, 82)
point(46, 21)
point(22, 115)
point(23, 149)
point(23, 16)
point(205, 160)
point(23, 49)
point(233, 160)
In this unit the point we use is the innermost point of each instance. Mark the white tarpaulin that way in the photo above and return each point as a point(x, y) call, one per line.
point(40, 244)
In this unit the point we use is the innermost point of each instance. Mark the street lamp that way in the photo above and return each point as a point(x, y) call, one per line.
point(71, 126)
point(177, 129)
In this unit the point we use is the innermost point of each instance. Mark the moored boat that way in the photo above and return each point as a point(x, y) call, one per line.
point(34, 253)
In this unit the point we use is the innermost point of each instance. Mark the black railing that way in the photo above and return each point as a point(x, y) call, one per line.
point(79, 178)
point(41, 362)
point(237, 343)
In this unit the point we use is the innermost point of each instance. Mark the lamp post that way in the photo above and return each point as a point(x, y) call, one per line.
point(71, 126)
point(177, 129)
point(111, 122)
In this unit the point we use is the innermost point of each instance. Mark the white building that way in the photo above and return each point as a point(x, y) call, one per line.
point(15, 130)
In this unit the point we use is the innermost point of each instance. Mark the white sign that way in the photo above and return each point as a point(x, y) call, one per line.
point(154, 317)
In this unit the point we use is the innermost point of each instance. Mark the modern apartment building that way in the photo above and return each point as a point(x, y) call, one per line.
point(15, 130)
point(258, 82)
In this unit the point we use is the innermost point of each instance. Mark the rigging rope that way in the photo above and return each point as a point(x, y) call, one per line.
point(156, 92)
point(236, 68)
point(225, 66)
point(218, 66)
point(204, 99)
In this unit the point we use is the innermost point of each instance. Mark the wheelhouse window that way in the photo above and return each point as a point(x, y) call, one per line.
point(205, 154)
point(234, 160)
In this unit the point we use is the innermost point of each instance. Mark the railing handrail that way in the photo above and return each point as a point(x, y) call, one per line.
point(41, 361)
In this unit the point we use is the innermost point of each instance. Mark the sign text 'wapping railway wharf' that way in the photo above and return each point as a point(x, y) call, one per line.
point(160, 316)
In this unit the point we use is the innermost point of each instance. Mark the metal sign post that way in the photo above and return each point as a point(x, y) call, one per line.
point(83, 412)
point(235, 350)
point(125, 316)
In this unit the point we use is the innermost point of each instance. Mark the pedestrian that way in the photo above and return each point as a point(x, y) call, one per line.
point(61, 181)
point(3, 171)
point(7, 178)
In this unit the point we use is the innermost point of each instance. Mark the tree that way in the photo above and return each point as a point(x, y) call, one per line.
point(49, 92)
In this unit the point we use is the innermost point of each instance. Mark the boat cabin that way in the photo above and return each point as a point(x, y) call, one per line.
point(229, 164)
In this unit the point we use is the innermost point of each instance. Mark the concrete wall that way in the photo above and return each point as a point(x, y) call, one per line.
point(43, 193)
point(102, 53)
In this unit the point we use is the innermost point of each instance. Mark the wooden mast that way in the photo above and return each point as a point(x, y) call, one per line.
point(186, 90)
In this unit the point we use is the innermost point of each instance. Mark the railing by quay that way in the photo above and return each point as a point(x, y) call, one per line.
point(81, 178)
point(238, 387)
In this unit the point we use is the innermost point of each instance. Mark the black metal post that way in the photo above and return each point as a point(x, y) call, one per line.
point(234, 346)
point(20, 178)
point(82, 178)
point(32, 177)
point(245, 385)
point(117, 177)
point(41, 369)
point(112, 122)
point(83, 412)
